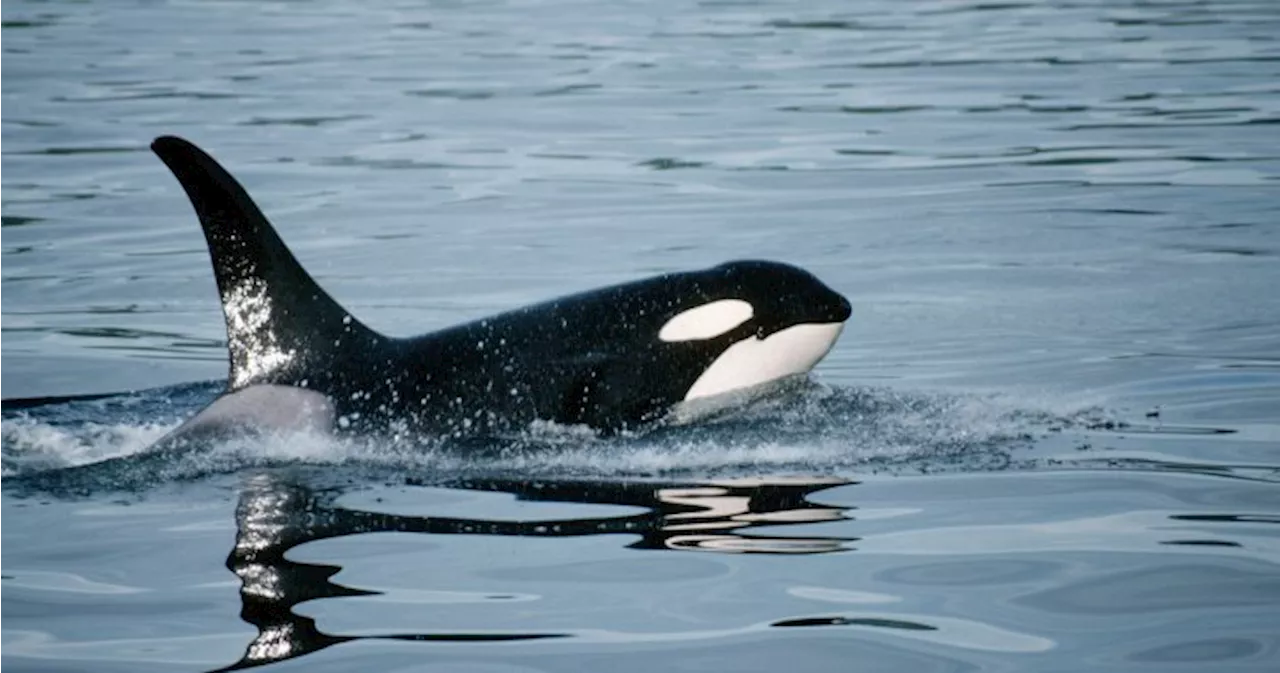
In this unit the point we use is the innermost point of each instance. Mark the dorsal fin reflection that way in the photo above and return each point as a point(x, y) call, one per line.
point(277, 513)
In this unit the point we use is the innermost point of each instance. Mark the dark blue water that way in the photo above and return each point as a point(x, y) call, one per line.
point(1048, 440)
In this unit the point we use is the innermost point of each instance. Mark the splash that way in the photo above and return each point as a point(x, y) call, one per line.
point(33, 445)
point(809, 429)
point(255, 346)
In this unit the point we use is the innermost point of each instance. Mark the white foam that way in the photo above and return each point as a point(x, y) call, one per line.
point(811, 430)
point(34, 444)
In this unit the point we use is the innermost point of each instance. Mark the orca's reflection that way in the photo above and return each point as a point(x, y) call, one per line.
point(277, 513)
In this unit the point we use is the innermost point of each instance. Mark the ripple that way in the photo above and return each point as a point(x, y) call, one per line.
point(1151, 591)
point(568, 89)
point(670, 163)
point(963, 633)
point(1201, 650)
point(856, 621)
point(19, 220)
point(455, 94)
point(72, 151)
point(38, 580)
point(41, 22)
point(398, 164)
point(310, 121)
point(1240, 251)
point(160, 94)
point(829, 24)
point(855, 109)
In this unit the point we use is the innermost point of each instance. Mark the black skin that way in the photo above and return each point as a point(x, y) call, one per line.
point(592, 358)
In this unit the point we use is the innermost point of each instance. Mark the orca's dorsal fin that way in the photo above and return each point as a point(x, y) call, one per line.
point(281, 326)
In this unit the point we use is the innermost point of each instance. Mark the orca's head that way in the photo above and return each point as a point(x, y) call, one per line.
point(756, 321)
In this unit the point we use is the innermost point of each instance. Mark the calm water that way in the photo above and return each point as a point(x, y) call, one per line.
point(1049, 439)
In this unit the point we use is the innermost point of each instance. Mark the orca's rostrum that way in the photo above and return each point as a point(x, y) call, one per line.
point(611, 358)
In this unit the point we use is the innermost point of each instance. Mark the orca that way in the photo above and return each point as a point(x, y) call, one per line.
point(613, 359)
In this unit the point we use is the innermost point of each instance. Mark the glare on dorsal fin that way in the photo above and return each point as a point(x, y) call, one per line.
point(281, 326)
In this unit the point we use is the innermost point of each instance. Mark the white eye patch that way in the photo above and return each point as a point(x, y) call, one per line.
point(707, 321)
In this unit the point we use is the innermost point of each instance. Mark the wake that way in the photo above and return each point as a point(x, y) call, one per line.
point(89, 445)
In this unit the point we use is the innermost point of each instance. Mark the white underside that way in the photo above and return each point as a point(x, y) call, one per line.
point(706, 408)
point(753, 361)
point(264, 407)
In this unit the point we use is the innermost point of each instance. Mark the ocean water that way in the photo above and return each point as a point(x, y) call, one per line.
point(1048, 440)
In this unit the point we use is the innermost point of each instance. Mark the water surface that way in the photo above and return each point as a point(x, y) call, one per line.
point(1047, 439)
